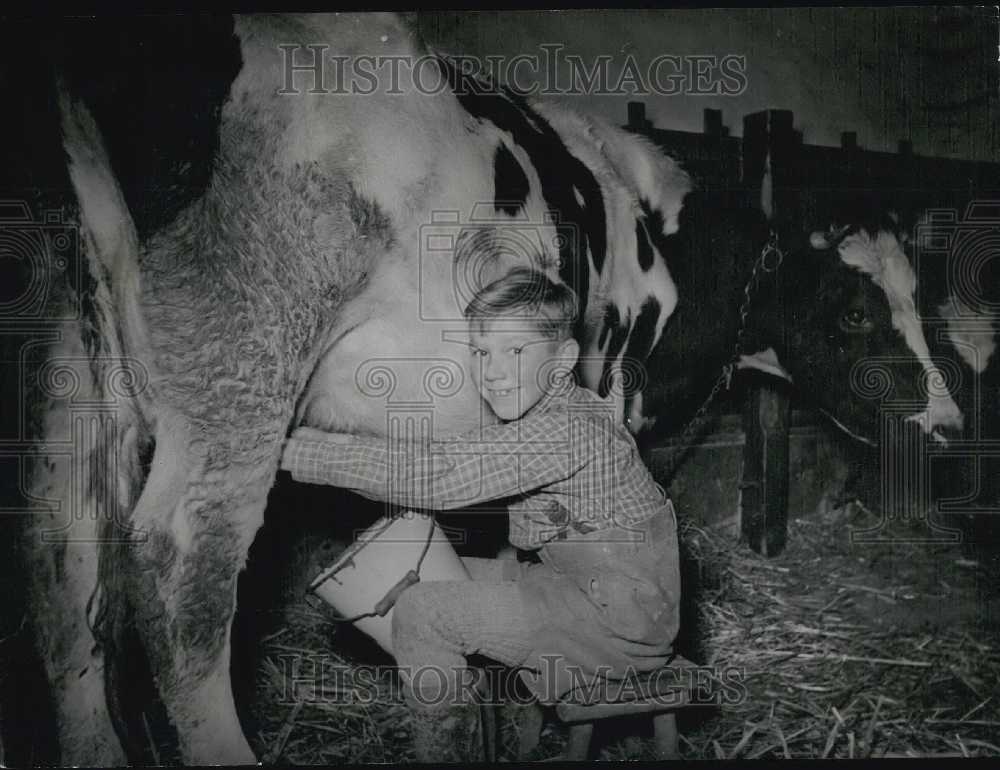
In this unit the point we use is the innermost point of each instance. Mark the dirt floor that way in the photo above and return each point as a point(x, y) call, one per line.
point(841, 648)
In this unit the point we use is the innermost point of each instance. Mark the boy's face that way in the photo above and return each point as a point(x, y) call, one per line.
point(512, 363)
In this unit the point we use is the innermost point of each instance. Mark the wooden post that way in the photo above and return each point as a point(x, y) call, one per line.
point(764, 505)
point(770, 149)
point(712, 123)
point(637, 117)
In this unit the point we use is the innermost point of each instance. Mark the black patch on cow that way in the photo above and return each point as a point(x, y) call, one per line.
point(584, 227)
point(618, 330)
point(644, 249)
point(510, 183)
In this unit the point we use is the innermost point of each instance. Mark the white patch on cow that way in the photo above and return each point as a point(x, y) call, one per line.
point(651, 174)
point(973, 337)
point(765, 361)
point(108, 231)
point(429, 166)
point(884, 261)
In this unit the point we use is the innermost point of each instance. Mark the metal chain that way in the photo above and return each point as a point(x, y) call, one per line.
point(725, 378)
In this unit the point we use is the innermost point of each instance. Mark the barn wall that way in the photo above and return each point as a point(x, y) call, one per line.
point(923, 73)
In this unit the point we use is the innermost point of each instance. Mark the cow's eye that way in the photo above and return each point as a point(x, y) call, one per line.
point(855, 320)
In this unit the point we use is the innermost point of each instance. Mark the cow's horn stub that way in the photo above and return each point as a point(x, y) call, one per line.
point(828, 239)
point(818, 240)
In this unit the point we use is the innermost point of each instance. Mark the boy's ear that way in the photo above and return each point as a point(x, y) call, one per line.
point(569, 352)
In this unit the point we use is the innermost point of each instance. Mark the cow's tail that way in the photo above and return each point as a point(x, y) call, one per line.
point(115, 339)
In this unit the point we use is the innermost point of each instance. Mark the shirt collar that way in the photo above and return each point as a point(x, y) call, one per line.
point(555, 397)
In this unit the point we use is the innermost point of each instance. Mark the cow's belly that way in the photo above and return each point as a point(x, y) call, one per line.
point(391, 371)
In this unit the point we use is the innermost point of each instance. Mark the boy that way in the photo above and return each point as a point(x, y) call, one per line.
point(604, 597)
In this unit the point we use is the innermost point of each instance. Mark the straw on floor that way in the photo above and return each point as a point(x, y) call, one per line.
point(836, 649)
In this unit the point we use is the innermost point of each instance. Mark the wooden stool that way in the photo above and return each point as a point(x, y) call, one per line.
point(655, 693)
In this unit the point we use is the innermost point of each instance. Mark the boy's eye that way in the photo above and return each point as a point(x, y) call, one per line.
point(516, 351)
point(478, 352)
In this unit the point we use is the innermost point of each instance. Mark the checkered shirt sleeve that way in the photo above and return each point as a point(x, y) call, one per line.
point(490, 463)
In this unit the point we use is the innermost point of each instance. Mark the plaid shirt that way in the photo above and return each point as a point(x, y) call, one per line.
point(566, 467)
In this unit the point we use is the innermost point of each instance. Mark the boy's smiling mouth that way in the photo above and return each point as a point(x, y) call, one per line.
point(502, 392)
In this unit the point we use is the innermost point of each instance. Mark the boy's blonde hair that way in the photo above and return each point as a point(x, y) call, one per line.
point(529, 294)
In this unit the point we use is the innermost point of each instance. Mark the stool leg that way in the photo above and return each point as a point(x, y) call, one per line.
point(665, 732)
point(578, 748)
point(529, 726)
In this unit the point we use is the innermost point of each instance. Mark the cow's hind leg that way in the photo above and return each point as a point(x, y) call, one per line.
point(72, 485)
point(73, 664)
point(198, 515)
point(62, 553)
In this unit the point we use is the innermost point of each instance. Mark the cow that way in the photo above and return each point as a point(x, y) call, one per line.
point(317, 277)
point(953, 252)
point(884, 323)
point(832, 311)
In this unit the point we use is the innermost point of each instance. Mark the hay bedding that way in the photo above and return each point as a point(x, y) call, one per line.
point(844, 650)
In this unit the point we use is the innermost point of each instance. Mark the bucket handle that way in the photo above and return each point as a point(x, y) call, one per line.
point(388, 601)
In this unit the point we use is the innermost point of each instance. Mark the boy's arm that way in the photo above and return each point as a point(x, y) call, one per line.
point(488, 464)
